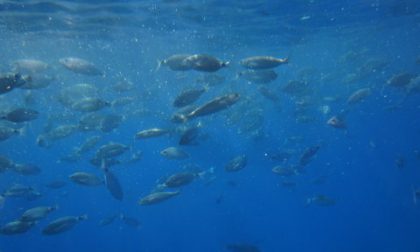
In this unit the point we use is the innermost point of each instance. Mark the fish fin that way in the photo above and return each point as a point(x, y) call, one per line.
point(159, 64)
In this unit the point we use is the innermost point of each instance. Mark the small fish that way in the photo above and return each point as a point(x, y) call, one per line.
point(320, 200)
point(176, 62)
point(205, 63)
point(149, 133)
point(358, 96)
point(113, 184)
point(262, 62)
point(336, 122)
point(307, 155)
point(80, 66)
point(157, 197)
point(108, 220)
point(188, 97)
point(236, 164)
point(215, 105)
point(21, 115)
point(16, 227)
point(26, 169)
point(29, 66)
point(174, 153)
point(37, 213)
point(86, 179)
point(62, 224)
point(130, 221)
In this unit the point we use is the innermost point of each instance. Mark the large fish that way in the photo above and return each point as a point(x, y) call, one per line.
point(112, 183)
point(215, 105)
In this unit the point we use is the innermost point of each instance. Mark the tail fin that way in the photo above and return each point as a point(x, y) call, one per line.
point(159, 64)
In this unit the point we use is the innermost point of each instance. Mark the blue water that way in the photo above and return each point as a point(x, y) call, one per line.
point(332, 46)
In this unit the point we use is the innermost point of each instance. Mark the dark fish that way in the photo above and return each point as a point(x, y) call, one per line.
point(5, 163)
point(108, 220)
point(10, 81)
point(7, 132)
point(37, 213)
point(269, 94)
point(236, 164)
point(215, 105)
point(205, 63)
point(189, 136)
point(56, 184)
point(308, 154)
point(130, 221)
point(400, 80)
point(110, 122)
point(21, 191)
point(320, 200)
point(262, 62)
point(113, 185)
point(242, 248)
point(16, 227)
point(258, 76)
point(188, 97)
point(111, 150)
point(86, 179)
point(179, 179)
point(358, 96)
point(62, 224)
point(26, 169)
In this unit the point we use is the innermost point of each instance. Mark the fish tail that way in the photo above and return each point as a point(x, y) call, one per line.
point(159, 64)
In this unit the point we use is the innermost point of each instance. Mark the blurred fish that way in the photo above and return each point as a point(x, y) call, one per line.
point(86, 179)
point(21, 191)
point(16, 227)
point(89, 104)
point(258, 76)
point(38, 82)
point(336, 122)
point(130, 221)
point(320, 200)
point(56, 184)
point(400, 80)
point(262, 62)
point(358, 96)
point(179, 179)
point(284, 171)
point(37, 213)
point(189, 136)
point(150, 133)
point(62, 224)
point(112, 183)
point(110, 122)
point(80, 66)
point(416, 194)
point(29, 66)
point(157, 197)
point(26, 169)
point(7, 132)
point(111, 150)
point(89, 144)
point(210, 80)
point(174, 153)
point(242, 247)
point(21, 115)
point(269, 94)
point(400, 162)
point(2, 201)
point(5, 163)
point(188, 97)
point(108, 220)
point(308, 154)
point(123, 86)
point(236, 164)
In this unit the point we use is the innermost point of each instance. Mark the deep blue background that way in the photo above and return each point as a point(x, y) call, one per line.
point(374, 208)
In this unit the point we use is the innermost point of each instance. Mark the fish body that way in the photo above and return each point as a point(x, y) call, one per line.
point(262, 62)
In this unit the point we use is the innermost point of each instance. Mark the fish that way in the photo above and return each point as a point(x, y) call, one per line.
point(37, 213)
point(157, 197)
point(217, 104)
point(176, 62)
point(62, 224)
point(269, 94)
point(179, 179)
point(284, 171)
point(89, 104)
point(149, 133)
point(307, 155)
point(108, 220)
point(5, 163)
point(358, 96)
point(130, 221)
point(10, 81)
point(262, 62)
point(29, 66)
point(236, 164)
point(337, 122)
point(320, 200)
point(188, 97)
point(22, 191)
point(111, 150)
point(86, 179)
point(242, 247)
point(113, 184)
point(7, 132)
point(205, 63)
point(16, 227)
point(80, 66)
point(189, 136)
point(21, 115)
point(258, 76)
point(26, 169)
point(174, 153)
point(400, 80)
